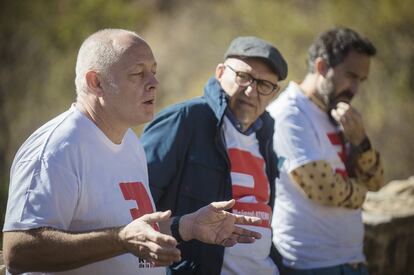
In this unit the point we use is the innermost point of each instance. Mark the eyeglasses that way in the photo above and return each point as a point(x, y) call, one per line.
point(264, 87)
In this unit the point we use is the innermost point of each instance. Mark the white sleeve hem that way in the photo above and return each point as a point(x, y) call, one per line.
point(17, 226)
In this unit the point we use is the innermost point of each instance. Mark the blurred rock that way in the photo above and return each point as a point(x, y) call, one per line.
point(388, 216)
point(2, 267)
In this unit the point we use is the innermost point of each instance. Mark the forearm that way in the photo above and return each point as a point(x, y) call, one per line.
point(369, 170)
point(47, 249)
point(322, 185)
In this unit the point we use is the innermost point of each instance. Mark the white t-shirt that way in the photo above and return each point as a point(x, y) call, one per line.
point(307, 234)
point(68, 175)
point(251, 191)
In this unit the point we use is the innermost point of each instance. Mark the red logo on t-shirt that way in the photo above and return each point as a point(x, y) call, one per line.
point(249, 179)
point(136, 191)
point(243, 162)
point(336, 140)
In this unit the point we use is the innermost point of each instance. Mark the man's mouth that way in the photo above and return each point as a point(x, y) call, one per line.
point(149, 102)
point(247, 103)
point(345, 96)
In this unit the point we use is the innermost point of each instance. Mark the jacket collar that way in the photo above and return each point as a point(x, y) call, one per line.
point(216, 98)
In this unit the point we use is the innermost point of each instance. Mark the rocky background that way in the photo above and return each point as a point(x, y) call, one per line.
point(389, 229)
point(2, 268)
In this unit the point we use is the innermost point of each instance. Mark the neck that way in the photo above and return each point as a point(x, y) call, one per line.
point(91, 106)
point(245, 126)
point(240, 125)
point(309, 88)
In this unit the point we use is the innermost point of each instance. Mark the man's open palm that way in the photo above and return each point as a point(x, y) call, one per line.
point(212, 224)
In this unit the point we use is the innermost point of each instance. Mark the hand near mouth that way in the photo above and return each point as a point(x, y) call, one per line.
point(350, 121)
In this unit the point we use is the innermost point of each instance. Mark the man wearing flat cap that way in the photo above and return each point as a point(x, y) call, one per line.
point(219, 147)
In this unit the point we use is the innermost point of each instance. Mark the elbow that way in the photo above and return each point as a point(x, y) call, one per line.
point(12, 263)
point(12, 258)
point(375, 184)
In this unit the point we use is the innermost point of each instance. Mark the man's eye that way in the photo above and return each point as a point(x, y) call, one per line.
point(266, 85)
point(244, 76)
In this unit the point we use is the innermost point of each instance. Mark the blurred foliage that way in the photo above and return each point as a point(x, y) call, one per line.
point(39, 42)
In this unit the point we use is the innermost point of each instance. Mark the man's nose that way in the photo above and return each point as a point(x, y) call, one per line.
point(153, 83)
point(355, 86)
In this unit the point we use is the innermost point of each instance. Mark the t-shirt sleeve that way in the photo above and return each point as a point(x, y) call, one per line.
point(42, 193)
point(295, 140)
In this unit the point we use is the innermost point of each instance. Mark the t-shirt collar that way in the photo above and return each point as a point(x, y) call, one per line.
point(236, 123)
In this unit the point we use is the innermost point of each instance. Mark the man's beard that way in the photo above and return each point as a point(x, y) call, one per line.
point(344, 96)
point(330, 98)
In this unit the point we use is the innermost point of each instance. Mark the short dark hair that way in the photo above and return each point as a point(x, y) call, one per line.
point(334, 45)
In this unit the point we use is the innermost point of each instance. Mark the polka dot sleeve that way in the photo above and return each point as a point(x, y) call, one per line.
point(369, 170)
point(322, 185)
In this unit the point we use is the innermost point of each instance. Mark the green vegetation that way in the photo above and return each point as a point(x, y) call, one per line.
point(39, 42)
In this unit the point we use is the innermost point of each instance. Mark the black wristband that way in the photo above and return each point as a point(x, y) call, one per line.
point(175, 229)
point(364, 146)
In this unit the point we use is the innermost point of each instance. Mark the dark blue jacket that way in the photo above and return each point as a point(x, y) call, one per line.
point(189, 168)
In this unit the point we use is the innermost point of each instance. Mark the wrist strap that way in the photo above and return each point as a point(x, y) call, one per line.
point(175, 229)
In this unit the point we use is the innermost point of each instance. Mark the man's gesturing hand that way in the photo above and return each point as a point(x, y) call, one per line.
point(142, 240)
point(212, 224)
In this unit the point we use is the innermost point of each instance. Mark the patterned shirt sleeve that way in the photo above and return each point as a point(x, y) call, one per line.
point(322, 185)
point(369, 170)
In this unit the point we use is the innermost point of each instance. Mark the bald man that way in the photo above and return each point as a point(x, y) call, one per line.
point(79, 200)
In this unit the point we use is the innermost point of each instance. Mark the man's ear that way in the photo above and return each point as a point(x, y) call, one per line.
point(219, 71)
point(94, 83)
point(320, 66)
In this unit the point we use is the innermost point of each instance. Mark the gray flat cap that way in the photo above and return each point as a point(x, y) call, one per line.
point(250, 46)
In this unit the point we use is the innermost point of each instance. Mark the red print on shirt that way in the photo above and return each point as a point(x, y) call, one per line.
point(244, 163)
point(136, 191)
point(336, 140)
